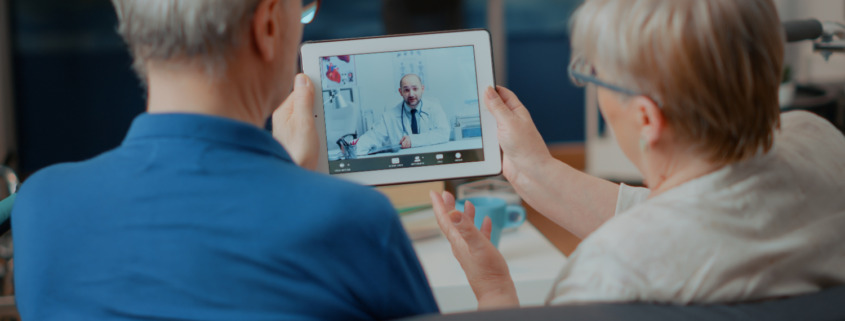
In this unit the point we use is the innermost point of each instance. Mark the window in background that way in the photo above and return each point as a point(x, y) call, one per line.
point(537, 57)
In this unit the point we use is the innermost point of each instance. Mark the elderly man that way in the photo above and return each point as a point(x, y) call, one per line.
point(411, 123)
point(200, 214)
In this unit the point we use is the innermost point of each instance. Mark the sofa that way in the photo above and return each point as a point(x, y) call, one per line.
point(828, 304)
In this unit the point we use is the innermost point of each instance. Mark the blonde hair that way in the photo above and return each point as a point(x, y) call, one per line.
point(202, 31)
point(715, 65)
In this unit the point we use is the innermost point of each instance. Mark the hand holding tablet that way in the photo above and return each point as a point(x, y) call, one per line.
point(404, 109)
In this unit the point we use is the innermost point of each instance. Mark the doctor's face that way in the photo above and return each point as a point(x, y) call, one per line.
point(411, 91)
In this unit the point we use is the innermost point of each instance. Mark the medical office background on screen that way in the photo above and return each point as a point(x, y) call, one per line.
point(357, 89)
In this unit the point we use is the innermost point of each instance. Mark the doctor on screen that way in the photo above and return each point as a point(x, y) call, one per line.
point(414, 122)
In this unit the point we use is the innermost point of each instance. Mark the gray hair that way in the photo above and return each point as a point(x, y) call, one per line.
point(715, 65)
point(200, 31)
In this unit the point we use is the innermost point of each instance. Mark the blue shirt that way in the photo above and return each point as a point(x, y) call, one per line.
point(205, 218)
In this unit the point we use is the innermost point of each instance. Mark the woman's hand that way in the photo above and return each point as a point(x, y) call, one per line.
point(293, 124)
point(522, 146)
point(484, 266)
point(572, 199)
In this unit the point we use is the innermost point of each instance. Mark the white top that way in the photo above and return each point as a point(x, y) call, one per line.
point(769, 227)
point(395, 123)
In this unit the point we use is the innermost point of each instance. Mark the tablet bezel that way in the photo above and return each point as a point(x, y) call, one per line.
point(479, 39)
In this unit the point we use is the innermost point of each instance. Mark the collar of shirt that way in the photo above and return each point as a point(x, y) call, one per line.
point(407, 108)
point(205, 127)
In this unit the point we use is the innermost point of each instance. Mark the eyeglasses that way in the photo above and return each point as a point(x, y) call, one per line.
point(581, 73)
point(309, 10)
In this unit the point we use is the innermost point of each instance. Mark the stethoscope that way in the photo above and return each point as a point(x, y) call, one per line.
point(402, 116)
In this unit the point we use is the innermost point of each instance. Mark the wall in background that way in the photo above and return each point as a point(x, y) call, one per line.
point(7, 112)
point(537, 58)
point(75, 94)
point(810, 67)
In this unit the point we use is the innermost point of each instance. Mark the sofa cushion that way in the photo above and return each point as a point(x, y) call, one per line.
point(825, 305)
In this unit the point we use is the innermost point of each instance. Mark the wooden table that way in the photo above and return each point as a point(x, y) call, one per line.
point(533, 261)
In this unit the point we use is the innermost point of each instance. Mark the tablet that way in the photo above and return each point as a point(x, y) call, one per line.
point(402, 109)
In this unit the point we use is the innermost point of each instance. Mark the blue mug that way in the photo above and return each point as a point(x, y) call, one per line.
point(500, 213)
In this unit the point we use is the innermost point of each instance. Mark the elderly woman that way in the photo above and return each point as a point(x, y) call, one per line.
point(743, 203)
point(201, 214)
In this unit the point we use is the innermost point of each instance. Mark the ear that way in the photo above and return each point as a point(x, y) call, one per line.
point(265, 28)
point(651, 118)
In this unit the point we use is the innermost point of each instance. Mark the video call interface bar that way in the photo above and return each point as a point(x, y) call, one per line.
point(405, 161)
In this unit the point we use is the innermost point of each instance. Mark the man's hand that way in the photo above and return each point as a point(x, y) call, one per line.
point(293, 124)
point(405, 142)
point(484, 266)
point(522, 145)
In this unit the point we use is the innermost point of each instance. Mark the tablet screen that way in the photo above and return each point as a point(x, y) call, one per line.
point(401, 109)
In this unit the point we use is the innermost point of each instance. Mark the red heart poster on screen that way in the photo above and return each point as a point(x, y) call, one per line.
point(338, 71)
point(333, 74)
